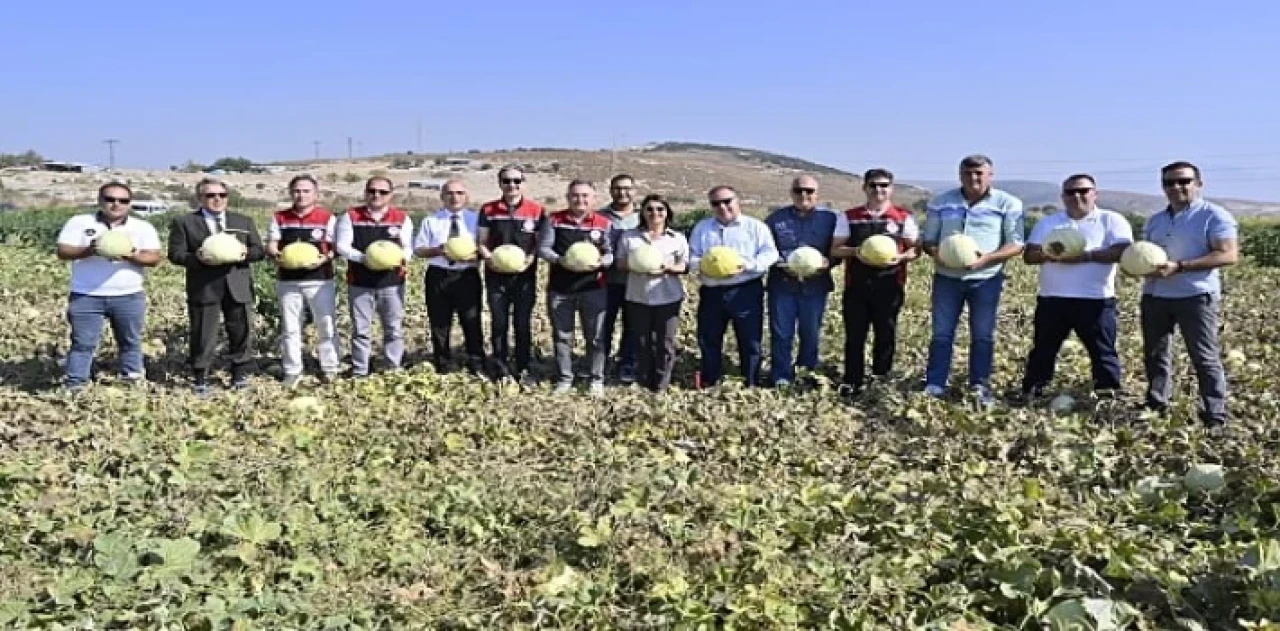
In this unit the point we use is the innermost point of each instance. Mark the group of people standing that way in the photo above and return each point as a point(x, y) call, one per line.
point(1076, 293)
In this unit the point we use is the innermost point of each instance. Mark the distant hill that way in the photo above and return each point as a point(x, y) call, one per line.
point(1036, 193)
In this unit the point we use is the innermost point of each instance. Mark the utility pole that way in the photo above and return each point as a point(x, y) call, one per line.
point(111, 153)
point(613, 156)
point(317, 144)
point(419, 149)
point(349, 154)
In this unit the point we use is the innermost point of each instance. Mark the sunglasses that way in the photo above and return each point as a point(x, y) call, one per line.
point(1077, 191)
point(218, 195)
point(376, 191)
point(655, 209)
point(455, 192)
point(802, 189)
point(512, 180)
point(879, 184)
point(1180, 181)
point(115, 200)
point(721, 202)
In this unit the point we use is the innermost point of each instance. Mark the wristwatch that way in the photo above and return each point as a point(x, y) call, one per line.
point(1178, 267)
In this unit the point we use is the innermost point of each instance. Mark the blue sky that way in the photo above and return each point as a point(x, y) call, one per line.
point(1115, 88)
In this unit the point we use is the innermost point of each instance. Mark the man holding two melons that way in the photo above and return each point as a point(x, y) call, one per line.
point(375, 239)
point(1185, 291)
point(109, 251)
point(1077, 249)
point(970, 232)
point(300, 239)
point(216, 246)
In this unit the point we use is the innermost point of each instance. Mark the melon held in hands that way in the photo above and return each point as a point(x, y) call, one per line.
point(878, 250)
point(720, 261)
point(383, 255)
point(507, 259)
point(581, 257)
point(958, 251)
point(804, 261)
point(114, 244)
point(460, 248)
point(299, 255)
point(1142, 258)
point(222, 249)
point(1065, 241)
point(646, 259)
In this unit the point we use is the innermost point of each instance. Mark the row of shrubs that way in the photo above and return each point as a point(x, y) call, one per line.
point(1259, 238)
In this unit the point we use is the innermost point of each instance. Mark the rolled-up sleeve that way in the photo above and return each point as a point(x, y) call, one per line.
point(1014, 223)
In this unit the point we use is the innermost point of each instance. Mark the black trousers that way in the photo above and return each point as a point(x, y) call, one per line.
point(237, 318)
point(1093, 320)
point(654, 329)
point(452, 292)
point(868, 306)
point(511, 298)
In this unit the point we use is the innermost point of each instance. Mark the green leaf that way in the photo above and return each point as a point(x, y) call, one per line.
point(115, 556)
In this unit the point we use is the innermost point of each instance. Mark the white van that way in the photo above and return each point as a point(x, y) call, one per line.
point(144, 208)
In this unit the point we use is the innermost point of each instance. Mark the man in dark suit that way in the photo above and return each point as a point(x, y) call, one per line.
point(214, 289)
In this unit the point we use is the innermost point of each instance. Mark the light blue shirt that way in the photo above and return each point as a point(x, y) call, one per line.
point(1185, 235)
point(994, 221)
point(748, 236)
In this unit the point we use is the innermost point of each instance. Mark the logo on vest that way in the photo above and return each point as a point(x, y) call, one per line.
point(595, 235)
point(891, 228)
point(529, 225)
point(317, 234)
point(393, 231)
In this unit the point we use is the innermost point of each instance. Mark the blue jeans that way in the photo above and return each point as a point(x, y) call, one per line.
point(786, 310)
point(615, 310)
point(949, 298)
point(85, 314)
point(743, 305)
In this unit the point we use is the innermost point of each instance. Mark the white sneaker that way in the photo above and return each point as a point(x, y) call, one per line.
point(934, 391)
point(596, 389)
point(562, 388)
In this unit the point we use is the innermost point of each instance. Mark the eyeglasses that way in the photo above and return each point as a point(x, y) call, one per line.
point(376, 191)
point(1071, 192)
point(217, 195)
point(115, 200)
point(721, 202)
point(879, 184)
point(1180, 181)
point(805, 190)
point(655, 209)
point(512, 180)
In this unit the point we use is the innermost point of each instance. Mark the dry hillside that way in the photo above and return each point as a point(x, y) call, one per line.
point(682, 171)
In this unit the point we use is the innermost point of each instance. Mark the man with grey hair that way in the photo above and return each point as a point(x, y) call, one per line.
point(371, 291)
point(994, 220)
point(577, 292)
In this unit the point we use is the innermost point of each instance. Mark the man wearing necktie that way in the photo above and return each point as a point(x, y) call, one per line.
point(215, 290)
point(371, 291)
point(452, 286)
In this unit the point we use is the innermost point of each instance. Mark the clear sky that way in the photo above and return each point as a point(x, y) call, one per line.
point(1116, 88)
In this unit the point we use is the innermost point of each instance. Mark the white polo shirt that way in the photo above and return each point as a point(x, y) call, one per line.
point(434, 231)
point(1101, 229)
point(97, 276)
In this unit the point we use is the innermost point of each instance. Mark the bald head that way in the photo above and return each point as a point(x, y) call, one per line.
point(804, 192)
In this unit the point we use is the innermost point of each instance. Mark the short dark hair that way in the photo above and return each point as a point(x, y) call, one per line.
point(303, 178)
point(877, 173)
point(1181, 164)
point(510, 167)
point(110, 185)
point(648, 199)
point(580, 182)
point(976, 161)
point(380, 178)
point(1079, 176)
point(613, 181)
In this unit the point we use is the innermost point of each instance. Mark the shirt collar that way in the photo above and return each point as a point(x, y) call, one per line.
point(1194, 205)
point(445, 213)
point(101, 218)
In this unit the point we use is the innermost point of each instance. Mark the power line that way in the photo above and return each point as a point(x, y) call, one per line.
point(111, 153)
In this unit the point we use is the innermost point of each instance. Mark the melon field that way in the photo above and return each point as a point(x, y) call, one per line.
point(418, 500)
